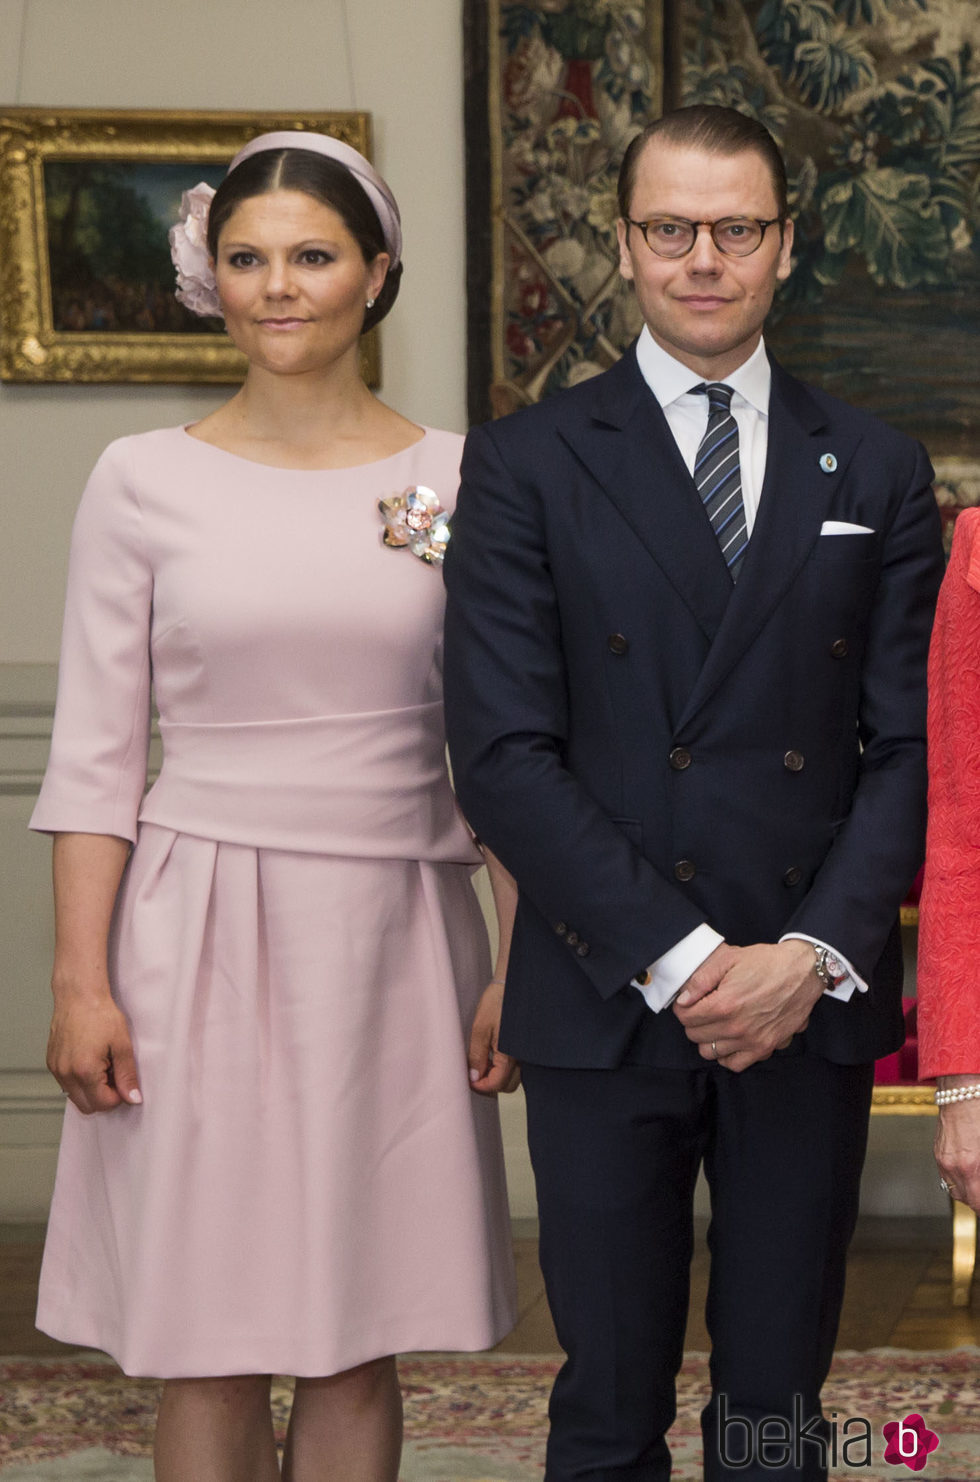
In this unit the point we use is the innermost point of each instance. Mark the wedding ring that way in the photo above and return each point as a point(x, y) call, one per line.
point(947, 1188)
point(714, 1049)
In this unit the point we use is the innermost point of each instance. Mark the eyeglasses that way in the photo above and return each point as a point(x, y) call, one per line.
point(674, 236)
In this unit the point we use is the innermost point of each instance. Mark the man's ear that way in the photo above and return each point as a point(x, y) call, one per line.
point(625, 260)
point(784, 263)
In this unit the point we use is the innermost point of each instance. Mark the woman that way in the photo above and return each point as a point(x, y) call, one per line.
point(267, 1000)
point(949, 911)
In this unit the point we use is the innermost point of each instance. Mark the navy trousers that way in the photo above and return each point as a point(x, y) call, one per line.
point(616, 1154)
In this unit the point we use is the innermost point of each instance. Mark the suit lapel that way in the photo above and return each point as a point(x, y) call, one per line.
point(796, 496)
point(630, 451)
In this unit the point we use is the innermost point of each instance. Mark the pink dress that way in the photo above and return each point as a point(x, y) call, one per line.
point(310, 1183)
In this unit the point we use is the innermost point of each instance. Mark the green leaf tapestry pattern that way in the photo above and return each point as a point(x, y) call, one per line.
point(876, 104)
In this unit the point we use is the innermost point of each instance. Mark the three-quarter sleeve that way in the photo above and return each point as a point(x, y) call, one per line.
point(96, 772)
point(949, 914)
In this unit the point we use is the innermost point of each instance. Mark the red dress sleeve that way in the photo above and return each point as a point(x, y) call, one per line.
point(949, 911)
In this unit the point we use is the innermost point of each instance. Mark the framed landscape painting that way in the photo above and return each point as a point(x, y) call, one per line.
point(86, 200)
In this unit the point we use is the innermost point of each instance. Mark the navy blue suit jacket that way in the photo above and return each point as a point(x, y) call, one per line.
point(646, 748)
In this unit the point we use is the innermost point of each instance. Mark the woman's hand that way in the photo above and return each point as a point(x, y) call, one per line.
point(90, 1053)
point(957, 1145)
point(491, 1071)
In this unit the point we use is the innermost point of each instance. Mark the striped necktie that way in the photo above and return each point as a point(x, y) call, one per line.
point(718, 476)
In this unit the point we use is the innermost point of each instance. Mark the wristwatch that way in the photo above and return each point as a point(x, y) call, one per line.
point(828, 968)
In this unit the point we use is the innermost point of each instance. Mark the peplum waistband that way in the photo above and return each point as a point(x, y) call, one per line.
point(372, 785)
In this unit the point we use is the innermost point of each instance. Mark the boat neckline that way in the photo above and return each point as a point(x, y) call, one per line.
point(282, 468)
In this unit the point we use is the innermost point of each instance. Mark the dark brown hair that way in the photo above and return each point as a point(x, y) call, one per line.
point(326, 181)
point(715, 130)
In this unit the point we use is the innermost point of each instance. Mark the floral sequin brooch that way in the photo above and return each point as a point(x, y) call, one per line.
point(415, 519)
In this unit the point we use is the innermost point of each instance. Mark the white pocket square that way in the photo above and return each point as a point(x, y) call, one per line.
point(842, 527)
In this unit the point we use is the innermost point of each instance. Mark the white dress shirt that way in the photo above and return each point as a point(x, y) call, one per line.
point(687, 417)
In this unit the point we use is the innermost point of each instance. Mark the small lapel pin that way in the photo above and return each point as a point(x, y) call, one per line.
point(828, 462)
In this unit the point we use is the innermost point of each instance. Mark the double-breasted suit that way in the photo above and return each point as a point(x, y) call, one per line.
point(648, 748)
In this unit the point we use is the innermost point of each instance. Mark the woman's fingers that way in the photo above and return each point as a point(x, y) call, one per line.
point(90, 1054)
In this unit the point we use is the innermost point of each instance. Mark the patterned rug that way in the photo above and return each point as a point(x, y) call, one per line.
point(484, 1419)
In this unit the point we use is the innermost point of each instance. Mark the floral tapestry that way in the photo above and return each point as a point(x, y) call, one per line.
point(569, 83)
point(876, 104)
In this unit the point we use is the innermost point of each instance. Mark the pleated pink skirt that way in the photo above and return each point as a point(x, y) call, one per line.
point(310, 1183)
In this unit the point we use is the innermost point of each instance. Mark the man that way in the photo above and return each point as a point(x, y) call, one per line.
point(689, 608)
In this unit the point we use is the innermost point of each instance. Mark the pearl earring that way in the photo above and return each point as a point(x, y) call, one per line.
point(370, 303)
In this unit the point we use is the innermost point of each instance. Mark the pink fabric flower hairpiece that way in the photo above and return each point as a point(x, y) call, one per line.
point(196, 288)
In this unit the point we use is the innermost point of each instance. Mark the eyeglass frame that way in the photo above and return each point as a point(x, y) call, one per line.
point(763, 226)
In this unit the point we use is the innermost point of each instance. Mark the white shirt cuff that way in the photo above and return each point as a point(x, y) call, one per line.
point(670, 972)
point(845, 989)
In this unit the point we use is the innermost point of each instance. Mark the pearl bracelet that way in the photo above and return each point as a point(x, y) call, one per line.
point(958, 1093)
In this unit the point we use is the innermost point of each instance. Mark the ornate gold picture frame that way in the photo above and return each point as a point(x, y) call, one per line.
point(86, 197)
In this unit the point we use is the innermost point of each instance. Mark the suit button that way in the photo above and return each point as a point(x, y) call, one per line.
point(561, 929)
point(793, 875)
point(684, 870)
point(583, 949)
point(572, 939)
point(793, 761)
point(680, 758)
point(617, 643)
point(838, 648)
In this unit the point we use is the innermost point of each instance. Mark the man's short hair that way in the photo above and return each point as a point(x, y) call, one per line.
point(713, 129)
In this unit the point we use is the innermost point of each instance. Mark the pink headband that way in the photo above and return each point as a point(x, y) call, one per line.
point(188, 239)
point(367, 176)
